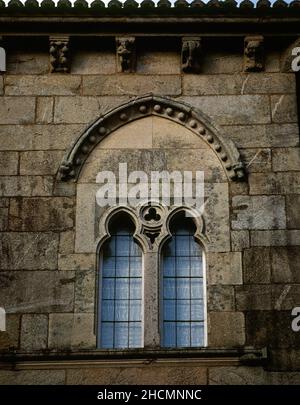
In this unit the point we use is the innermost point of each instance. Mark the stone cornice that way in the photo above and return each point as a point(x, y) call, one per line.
point(148, 7)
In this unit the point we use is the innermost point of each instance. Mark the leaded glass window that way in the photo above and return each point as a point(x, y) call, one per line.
point(121, 289)
point(182, 288)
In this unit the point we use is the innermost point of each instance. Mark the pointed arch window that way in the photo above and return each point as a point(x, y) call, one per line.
point(183, 287)
point(120, 288)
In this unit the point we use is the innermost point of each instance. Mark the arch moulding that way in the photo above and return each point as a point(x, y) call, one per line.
point(145, 106)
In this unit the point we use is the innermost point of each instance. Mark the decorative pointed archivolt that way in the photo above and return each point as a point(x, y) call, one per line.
point(144, 106)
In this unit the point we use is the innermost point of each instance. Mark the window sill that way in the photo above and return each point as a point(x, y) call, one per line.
point(134, 357)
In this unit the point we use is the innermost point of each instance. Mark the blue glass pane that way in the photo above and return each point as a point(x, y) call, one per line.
point(182, 246)
point(183, 288)
point(183, 334)
point(183, 266)
point(135, 288)
point(136, 266)
point(183, 310)
point(107, 310)
point(135, 310)
point(108, 267)
point(109, 248)
point(135, 334)
point(197, 332)
point(195, 248)
point(121, 335)
point(169, 310)
point(121, 310)
point(197, 288)
point(197, 310)
point(169, 266)
point(122, 266)
point(107, 335)
point(169, 249)
point(122, 247)
point(122, 288)
point(169, 338)
point(169, 288)
point(134, 249)
point(108, 288)
point(196, 266)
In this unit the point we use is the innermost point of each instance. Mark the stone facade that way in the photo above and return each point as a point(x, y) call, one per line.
point(49, 228)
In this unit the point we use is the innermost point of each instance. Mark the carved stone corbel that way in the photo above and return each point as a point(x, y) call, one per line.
point(191, 54)
point(254, 53)
point(59, 54)
point(126, 54)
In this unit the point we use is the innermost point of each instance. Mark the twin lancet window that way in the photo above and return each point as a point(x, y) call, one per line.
point(122, 316)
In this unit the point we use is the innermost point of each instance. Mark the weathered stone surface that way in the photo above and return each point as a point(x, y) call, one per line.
point(28, 251)
point(8, 163)
point(13, 186)
point(269, 83)
point(32, 377)
point(220, 298)
point(136, 135)
point(216, 215)
point(41, 214)
point(258, 212)
point(45, 85)
point(203, 85)
point(224, 268)
point(27, 62)
point(85, 236)
point(240, 240)
point(285, 262)
point(66, 242)
point(37, 291)
point(250, 376)
point(40, 162)
point(20, 110)
point(263, 136)
point(275, 238)
point(34, 332)
point(256, 160)
point(13, 324)
point(285, 359)
point(274, 183)
point(3, 219)
point(257, 265)
point(78, 110)
point(233, 110)
point(270, 328)
point(253, 297)
point(110, 85)
point(145, 375)
point(38, 137)
point(76, 261)
point(1, 85)
point(287, 159)
point(285, 297)
point(44, 110)
point(64, 189)
point(284, 108)
point(292, 211)
point(158, 62)
point(85, 287)
point(86, 62)
point(226, 329)
point(167, 134)
point(71, 330)
point(272, 61)
point(254, 83)
point(222, 62)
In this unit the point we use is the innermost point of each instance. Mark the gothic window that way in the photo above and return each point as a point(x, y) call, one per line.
point(161, 304)
point(182, 288)
point(120, 289)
